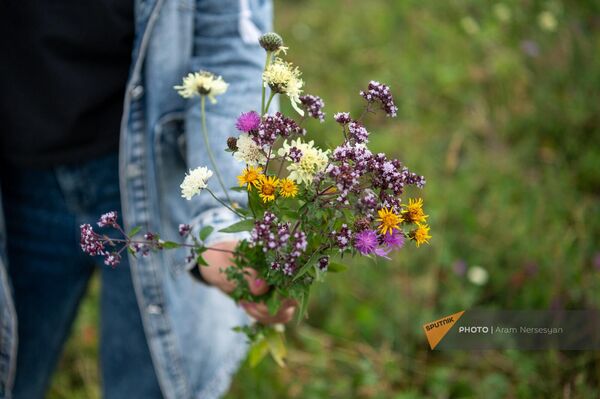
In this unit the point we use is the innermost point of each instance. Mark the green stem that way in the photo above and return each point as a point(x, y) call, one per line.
point(209, 150)
point(224, 204)
point(262, 101)
point(269, 102)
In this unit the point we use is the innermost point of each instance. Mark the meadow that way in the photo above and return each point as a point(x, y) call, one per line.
point(499, 107)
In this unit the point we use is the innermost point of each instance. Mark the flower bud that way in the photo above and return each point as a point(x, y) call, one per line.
point(270, 41)
point(232, 143)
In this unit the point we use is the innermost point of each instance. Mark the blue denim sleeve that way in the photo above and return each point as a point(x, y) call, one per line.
point(225, 43)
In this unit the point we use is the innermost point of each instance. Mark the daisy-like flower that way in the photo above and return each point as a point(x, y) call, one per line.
point(250, 176)
point(248, 151)
point(267, 187)
point(420, 235)
point(366, 241)
point(414, 212)
point(287, 188)
point(195, 181)
point(282, 77)
point(312, 160)
point(388, 220)
point(202, 83)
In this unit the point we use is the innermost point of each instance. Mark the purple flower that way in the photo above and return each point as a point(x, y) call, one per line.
point(394, 239)
point(323, 263)
point(274, 126)
point(460, 267)
point(366, 242)
point(184, 229)
point(380, 92)
point(358, 132)
point(108, 219)
point(342, 118)
point(91, 243)
point(313, 106)
point(295, 154)
point(248, 122)
point(342, 237)
point(112, 259)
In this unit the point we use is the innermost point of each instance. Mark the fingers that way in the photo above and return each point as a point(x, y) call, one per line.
point(260, 312)
point(257, 286)
point(219, 260)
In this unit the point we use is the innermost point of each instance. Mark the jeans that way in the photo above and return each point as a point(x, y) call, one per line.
point(50, 273)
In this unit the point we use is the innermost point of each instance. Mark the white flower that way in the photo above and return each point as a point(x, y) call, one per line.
point(312, 161)
point(202, 83)
point(477, 275)
point(283, 77)
point(195, 181)
point(248, 151)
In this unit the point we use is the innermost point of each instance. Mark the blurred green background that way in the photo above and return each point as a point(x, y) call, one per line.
point(500, 110)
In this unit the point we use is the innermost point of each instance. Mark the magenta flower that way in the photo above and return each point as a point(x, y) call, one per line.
point(394, 239)
point(248, 121)
point(366, 242)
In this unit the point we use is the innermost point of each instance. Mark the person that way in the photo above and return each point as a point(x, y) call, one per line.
point(91, 123)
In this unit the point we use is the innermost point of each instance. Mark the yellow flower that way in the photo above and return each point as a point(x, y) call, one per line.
point(388, 220)
point(421, 234)
point(267, 186)
point(414, 212)
point(288, 188)
point(250, 176)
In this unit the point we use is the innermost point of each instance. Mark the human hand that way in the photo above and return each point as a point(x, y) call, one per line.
point(219, 259)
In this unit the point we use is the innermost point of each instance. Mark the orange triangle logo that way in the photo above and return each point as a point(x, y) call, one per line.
point(435, 330)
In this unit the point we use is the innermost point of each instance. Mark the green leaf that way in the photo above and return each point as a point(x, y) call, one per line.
point(205, 232)
point(201, 261)
point(243, 225)
point(276, 346)
point(306, 266)
point(273, 304)
point(335, 267)
point(258, 351)
point(303, 305)
point(238, 188)
point(134, 231)
point(170, 245)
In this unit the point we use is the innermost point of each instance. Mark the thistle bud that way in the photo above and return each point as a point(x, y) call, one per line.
point(270, 41)
point(362, 224)
point(232, 143)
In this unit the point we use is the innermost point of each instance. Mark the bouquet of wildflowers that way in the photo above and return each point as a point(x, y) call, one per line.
point(307, 207)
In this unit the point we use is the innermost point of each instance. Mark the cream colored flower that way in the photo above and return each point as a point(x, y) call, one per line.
point(195, 181)
point(477, 275)
point(547, 21)
point(312, 161)
point(282, 77)
point(202, 83)
point(248, 151)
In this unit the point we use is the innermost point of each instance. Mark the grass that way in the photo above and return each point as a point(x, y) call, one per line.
point(499, 110)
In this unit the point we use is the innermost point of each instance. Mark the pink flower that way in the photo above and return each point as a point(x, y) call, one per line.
point(248, 121)
point(366, 242)
point(395, 239)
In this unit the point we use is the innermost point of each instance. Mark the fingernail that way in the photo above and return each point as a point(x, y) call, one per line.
point(259, 282)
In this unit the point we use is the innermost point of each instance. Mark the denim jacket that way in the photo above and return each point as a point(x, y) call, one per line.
point(188, 324)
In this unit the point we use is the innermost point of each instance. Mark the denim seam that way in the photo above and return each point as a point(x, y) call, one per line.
point(156, 359)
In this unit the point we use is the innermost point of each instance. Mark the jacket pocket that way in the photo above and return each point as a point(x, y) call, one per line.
point(170, 161)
